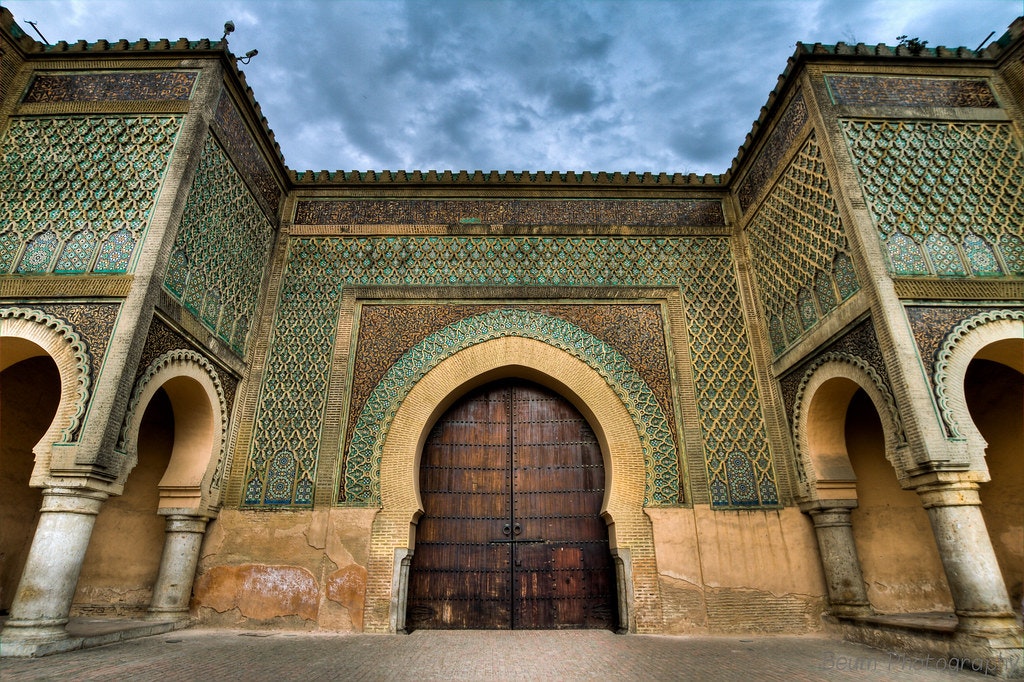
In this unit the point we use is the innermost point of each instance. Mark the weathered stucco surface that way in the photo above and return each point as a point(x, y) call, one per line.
point(312, 569)
point(740, 571)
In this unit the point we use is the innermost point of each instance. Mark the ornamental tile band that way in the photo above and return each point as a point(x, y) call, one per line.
point(520, 260)
point(362, 469)
point(910, 92)
point(111, 87)
point(597, 212)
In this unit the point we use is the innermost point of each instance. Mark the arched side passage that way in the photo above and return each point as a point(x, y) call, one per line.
point(819, 416)
point(963, 344)
point(71, 355)
point(630, 532)
point(191, 484)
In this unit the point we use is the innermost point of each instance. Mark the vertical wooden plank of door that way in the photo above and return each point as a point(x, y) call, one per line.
point(458, 577)
point(558, 487)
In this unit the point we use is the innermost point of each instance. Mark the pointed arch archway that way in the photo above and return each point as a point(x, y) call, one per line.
point(394, 529)
point(173, 441)
point(876, 543)
point(979, 382)
point(31, 333)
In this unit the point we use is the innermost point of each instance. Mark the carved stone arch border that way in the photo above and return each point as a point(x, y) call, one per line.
point(630, 532)
point(825, 368)
point(71, 355)
point(188, 485)
point(661, 459)
point(960, 346)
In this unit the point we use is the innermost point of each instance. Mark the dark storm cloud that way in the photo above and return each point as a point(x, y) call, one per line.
point(489, 84)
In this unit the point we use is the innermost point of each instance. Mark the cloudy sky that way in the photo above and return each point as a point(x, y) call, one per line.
point(594, 85)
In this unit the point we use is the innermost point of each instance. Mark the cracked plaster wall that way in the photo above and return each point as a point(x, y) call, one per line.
point(738, 571)
point(311, 573)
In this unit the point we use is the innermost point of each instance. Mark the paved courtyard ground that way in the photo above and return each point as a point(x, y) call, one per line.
point(224, 655)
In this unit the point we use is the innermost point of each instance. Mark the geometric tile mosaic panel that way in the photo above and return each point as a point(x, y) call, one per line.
point(362, 469)
point(40, 252)
point(910, 92)
point(111, 87)
point(739, 464)
point(221, 249)
point(289, 415)
point(946, 197)
point(799, 250)
point(76, 192)
point(115, 252)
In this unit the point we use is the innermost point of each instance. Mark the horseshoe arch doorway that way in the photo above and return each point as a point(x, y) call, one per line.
point(512, 481)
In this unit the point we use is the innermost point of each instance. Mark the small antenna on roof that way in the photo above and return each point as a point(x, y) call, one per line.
point(36, 29)
point(987, 38)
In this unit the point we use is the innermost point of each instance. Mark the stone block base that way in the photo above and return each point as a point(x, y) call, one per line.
point(83, 633)
point(920, 645)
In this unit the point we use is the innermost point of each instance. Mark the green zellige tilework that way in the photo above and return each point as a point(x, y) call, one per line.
point(739, 465)
point(798, 224)
point(76, 192)
point(947, 198)
point(289, 418)
point(221, 249)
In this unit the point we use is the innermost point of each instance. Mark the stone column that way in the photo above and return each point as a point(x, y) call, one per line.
point(43, 600)
point(979, 593)
point(173, 588)
point(847, 594)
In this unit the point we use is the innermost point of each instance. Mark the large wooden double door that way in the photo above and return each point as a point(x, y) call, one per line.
point(512, 482)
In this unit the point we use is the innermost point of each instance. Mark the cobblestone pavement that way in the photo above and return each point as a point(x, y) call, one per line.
point(200, 654)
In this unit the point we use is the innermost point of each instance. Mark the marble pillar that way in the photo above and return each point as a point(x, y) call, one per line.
point(43, 599)
point(847, 593)
point(173, 589)
point(979, 594)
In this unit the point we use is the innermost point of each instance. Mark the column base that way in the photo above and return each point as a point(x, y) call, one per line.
point(36, 638)
point(988, 624)
point(850, 610)
point(168, 614)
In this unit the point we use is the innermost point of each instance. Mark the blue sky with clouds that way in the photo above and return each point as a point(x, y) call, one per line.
point(638, 85)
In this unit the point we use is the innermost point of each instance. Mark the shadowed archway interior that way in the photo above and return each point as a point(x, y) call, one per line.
point(29, 395)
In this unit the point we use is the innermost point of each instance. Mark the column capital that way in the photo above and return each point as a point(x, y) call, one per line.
point(72, 500)
point(947, 491)
point(186, 523)
point(818, 506)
